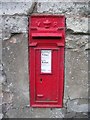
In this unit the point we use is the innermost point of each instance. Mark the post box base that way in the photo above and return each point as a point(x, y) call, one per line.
point(46, 106)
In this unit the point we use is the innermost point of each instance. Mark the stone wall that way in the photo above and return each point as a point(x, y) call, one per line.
point(14, 80)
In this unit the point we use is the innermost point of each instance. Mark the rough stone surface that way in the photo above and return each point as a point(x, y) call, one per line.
point(35, 113)
point(76, 42)
point(76, 67)
point(1, 116)
point(15, 58)
point(2, 82)
point(77, 24)
point(1, 96)
point(68, 9)
point(76, 72)
point(82, 115)
point(85, 1)
point(0, 39)
point(14, 78)
point(1, 23)
point(87, 46)
point(15, 7)
point(14, 24)
point(2, 79)
point(78, 105)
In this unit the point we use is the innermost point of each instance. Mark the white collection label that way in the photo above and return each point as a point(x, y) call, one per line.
point(45, 61)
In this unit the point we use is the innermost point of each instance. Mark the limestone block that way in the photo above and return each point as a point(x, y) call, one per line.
point(1, 115)
point(1, 67)
point(15, 60)
point(0, 49)
point(76, 42)
point(2, 79)
point(76, 74)
point(14, 24)
point(7, 97)
point(35, 113)
point(16, 7)
point(70, 8)
point(1, 25)
point(87, 46)
point(78, 105)
point(77, 24)
point(63, 1)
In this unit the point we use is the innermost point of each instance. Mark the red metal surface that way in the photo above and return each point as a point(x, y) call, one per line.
point(46, 32)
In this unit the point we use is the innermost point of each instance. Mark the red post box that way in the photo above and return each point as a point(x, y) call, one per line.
point(46, 60)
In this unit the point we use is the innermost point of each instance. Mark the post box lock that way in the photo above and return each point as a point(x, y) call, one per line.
point(46, 55)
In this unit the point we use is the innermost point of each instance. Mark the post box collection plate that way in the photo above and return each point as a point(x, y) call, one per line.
point(46, 60)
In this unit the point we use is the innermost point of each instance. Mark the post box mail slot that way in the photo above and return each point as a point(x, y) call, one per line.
point(46, 60)
point(44, 35)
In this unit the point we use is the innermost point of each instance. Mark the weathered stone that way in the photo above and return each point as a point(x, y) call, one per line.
point(1, 67)
point(2, 75)
point(87, 46)
point(82, 40)
point(76, 72)
point(28, 113)
point(14, 24)
point(77, 91)
point(74, 42)
point(2, 79)
point(1, 115)
point(1, 26)
point(7, 88)
point(6, 35)
point(76, 115)
point(1, 96)
point(14, 33)
point(70, 115)
point(0, 39)
point(6, 107)
point(77, 24)
point(78, 105)
point(13, 7)
point(67, 1)
point(15, 59)
point(15, 1)
point(66, 8)
point(41, 113)
point(19, 113)
point(35, 113)
point(7, 97)
point(70, 42)
point(0, 52)
point(81, 115)
point(58, 113)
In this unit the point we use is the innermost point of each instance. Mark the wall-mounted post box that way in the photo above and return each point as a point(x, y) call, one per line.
point(46, 60)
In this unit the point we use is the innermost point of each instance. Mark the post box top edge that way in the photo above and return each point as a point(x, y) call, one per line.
point(47, 15)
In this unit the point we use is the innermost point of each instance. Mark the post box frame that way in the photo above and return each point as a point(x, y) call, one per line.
point(34, 46)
